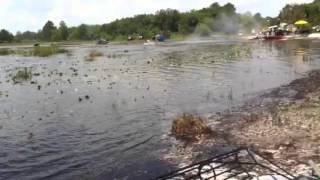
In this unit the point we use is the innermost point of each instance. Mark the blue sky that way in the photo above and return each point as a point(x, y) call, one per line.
point(32, 14)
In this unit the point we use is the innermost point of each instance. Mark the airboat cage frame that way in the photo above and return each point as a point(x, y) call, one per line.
point(241, 163)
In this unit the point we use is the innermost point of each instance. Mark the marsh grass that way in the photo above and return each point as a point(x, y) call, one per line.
point(44, 51)
point(41, 51)
point(22, 74)
point(93, 55)
point(236, 51)
point(5, 52)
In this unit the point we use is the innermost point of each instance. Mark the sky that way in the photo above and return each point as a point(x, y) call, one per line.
point(22, 15)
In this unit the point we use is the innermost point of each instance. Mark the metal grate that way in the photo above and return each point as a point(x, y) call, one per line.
point(242, 163)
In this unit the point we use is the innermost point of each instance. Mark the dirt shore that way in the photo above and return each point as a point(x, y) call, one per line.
point(283, 124)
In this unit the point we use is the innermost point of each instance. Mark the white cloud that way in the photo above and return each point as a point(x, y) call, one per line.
point(32, 14)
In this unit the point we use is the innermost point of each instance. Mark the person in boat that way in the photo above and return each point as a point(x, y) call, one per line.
point(160, 38)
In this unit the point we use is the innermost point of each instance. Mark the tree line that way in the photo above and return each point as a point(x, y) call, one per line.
point(170, 22)
point(307, 11)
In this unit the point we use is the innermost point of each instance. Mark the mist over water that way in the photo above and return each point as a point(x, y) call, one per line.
point(121, 129)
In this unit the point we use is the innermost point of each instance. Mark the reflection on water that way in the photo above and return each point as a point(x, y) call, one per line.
point(107, 118)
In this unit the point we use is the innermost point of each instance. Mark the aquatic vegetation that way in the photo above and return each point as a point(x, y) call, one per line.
point(207, 55)
point(5, 94)
point(22, 74)
point(189, 126)
point(44, 51)
point(237, 51)
point(5, 52)
point(41, 51)
point(93, 55)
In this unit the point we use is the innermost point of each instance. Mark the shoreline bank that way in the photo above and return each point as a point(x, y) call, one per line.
point(283, 125)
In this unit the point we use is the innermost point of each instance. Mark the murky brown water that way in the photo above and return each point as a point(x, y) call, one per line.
point(108, 118)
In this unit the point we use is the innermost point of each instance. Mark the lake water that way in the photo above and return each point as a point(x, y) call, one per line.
point(109, 118)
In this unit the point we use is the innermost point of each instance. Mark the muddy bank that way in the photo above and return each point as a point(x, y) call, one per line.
point(283, 124)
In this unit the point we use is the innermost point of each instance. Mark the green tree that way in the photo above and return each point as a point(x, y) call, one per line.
point(248, 22)
point(187, 23)
point(270, 21)
point(203, 30)
point(291, 13)
point(56, 36)
point(25, 36)
point(215, 6)
point(6, 36)
point(63, 31)
point(48, 31)
point(229, 9)
point(81, 32)
point(258, 18)
point(214, 9)
point(167, 20)
point(18, 37)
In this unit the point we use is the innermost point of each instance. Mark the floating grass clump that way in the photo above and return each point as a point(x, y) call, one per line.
point(22, 74)
point(93, 55)
point(44, 51)
point(189, 126)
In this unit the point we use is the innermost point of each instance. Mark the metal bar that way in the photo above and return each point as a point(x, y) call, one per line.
point(229, 170)
point(234, 175)
point(201, 162)
point(179, 173)
point(293, 177)
point(270, 169)
point(228, 159)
